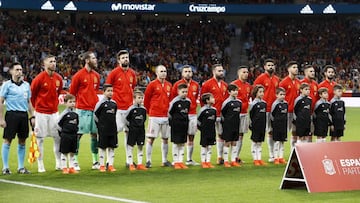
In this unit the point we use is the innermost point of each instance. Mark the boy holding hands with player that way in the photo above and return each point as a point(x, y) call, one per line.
point(105, 119)
point(279, 117)
point(206, 124)
point(136, 117)
point(230, 119)
point(337, 114)
point(68, 128)
point(179, 122)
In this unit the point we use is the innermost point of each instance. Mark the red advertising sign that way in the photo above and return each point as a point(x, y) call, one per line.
point(324, 167)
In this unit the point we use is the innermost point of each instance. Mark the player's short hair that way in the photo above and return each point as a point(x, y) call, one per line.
point(14, 64)
point(256, 89)
point(105, 86)
point(182, 86)
point(279, 90)
point(232, 87)
point(121, 52)
point(304, 85)
point(242, 66)
point(290, 63)
point(47, 56)
point(338, 87)
point(308, 66)
point(87, 54)
point(322, 90)
point(138, 93)
point(215, 65)
point(269, 60)
point(329, 67)
point(68, 97)
point(205, 97)
point(185, 66)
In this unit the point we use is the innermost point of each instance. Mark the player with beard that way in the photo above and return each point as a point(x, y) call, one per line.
point(244, 96)
point(329, 83)
point(270, 82)
point(123, 80)
point(291, 86)
point(218, 88)
point(85, 85)
point(309, 79)
point(156, 102)
point(193, 93)
point(45, 90)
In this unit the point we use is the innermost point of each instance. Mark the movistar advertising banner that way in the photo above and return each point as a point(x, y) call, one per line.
point(241, 9)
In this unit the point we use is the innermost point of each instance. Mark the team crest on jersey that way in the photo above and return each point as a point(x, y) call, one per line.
point(289, 87)
point(276, 84)
point(168, 88)
point(224, 88)
point(119, 79)
point(266, 84)
point(131, 79)
point(85, 80)
point(248, 89)
point(45, 84)
point(95, 80)
point(194, 88)
point(57, 83)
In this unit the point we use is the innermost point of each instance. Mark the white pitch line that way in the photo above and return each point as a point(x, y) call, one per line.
point(71, 191)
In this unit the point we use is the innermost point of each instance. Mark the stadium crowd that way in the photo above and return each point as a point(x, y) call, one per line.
point(40, 35)
point(318, 41)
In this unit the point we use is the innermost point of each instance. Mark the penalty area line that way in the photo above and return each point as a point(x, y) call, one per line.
point(71, 191)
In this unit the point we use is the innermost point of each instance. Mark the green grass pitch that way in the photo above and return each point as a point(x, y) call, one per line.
point(245, 184)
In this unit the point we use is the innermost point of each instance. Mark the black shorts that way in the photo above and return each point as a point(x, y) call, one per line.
point(107, 141)
point(16, 123)
point(136, 136)
point(337, 133)
point(321, 131)
point(179, 131)
point(206, 140)
point(230, 136)
point(257, 136)
point(68, 143)
point(279, 136)
point(301, 132)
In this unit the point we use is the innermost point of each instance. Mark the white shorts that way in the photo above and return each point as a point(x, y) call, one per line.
point(268, 123)
point(158, 125)
point(244, 123)
point(46, 124)
point(192, 125)
point(121, 120)
point(291, 126)
point(218, 126)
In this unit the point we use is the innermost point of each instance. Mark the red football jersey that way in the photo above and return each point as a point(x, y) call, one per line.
point(270, 84)
point(292, 91)
point(123, 83)
point(193, 93)
point(45, 90)
point(244, 94)
point(330, 86)
point(84, 86)
point(218, 90)
point(157, 98)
